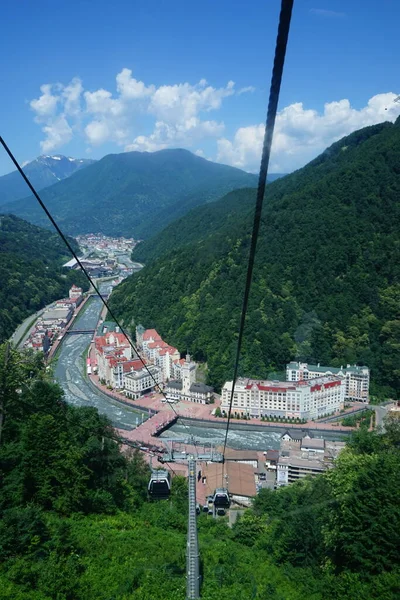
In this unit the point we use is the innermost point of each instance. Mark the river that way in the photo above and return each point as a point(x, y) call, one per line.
point(70, 369)
point(241, 440)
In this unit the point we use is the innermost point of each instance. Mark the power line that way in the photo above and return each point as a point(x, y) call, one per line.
point(279, 60)
point(66, 242)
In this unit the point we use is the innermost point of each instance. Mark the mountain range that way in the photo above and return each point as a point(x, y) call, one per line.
point(326, 285)
point(42, 172)
point(133, 193)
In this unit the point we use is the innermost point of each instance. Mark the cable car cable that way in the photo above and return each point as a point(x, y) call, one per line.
point(66, 242)
point(279, 60)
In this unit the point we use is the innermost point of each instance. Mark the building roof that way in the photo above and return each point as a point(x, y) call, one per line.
point(297, 434)
point(141, 373)
point(201, 388)
point(313, 444)
point(132, 365)
point(272, 455)
point(157, 344)
point(56, 313)
point(324, 369)
point(109, 325)
point(71, 263)
point(174, 384)
point(167, 350)
point(240, 477)
point(315, 384)
point(151, 333)
point(296, 461)
point(236, 455)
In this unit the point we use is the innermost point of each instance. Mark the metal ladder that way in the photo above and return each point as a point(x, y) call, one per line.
point(192, 550)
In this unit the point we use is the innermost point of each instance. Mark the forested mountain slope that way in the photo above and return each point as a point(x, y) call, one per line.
point(326, 284)
point(75, 523)
point(41, 172)
point(31, 271)
point(133, 193)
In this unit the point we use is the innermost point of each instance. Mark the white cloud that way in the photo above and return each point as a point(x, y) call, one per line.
point(166, 135)
point(103, 117)
point(177, 109)
point(181, 117)
point(56, 128)
point(181, 102)
point(301, 134)
point(45, 106)
point(71, 95)
point(101, 102)
point(245, 90)
point(131, 88)
point(58, 132)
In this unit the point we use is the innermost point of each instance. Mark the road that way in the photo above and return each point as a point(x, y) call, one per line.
point(380, 412)
point(20, 335)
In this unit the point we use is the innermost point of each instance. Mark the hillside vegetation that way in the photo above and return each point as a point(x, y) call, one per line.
point(134, 194)
point(76, 524)
point(31, 271)
point(326, 284)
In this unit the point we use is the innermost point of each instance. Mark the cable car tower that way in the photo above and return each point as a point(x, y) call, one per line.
point(192, 546)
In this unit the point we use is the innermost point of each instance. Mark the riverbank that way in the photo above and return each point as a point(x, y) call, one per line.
point(199, 415)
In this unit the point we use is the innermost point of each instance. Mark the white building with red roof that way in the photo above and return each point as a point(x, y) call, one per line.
point(309, 399)
point(111, 349)
point(120, 368)
point(160, 353)
point(75, 292)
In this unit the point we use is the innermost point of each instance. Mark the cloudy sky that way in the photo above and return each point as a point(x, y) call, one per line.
point(87, 78)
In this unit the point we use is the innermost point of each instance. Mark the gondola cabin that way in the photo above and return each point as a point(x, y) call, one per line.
point(159, 487)
point(221, 498)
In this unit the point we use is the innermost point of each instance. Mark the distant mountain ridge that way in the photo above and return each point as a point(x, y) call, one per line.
point(133, 193)
point(42, 172)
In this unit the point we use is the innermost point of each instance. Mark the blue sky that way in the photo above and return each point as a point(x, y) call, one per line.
point(89, 78)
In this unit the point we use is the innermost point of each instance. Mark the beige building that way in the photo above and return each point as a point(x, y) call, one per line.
point(308, 399)
point(139, 382)
point(187, 388)
point(356, 378)
point(310, 456)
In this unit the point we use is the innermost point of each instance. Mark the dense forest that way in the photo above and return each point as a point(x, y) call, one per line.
point(76, 523)
point(31, 271)
point(133, 194)
point(326, 285)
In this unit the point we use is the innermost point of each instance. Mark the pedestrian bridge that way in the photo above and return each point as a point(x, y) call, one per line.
point(76, 331)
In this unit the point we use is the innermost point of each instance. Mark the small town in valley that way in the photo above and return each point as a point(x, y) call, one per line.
point(304, 412)
point(105, 256)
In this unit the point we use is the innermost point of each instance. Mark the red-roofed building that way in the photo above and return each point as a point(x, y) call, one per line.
point(309, 399)
point(111, 349)
point(157, 351)
point(75, 292)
